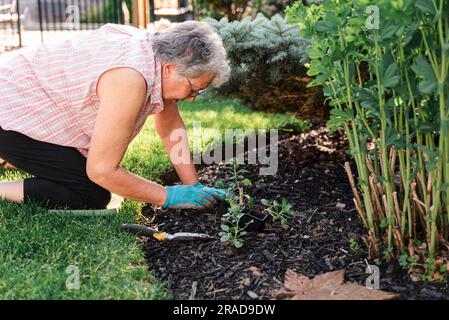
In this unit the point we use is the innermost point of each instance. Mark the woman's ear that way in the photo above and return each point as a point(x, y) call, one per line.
point(168, 69)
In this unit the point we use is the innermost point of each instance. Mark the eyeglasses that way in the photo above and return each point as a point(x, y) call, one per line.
point(194, 93)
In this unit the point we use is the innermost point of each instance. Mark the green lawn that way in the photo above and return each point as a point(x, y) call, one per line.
point(37, 248)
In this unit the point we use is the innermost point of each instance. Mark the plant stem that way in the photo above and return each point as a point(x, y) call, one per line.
point(383, 147)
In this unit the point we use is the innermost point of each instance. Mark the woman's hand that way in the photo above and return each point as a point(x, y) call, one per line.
point(199, 185)
point(192, 197)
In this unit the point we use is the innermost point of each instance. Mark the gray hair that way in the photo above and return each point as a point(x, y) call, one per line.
point(195, 48)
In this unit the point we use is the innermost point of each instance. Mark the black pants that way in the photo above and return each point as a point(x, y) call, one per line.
point(60, 178)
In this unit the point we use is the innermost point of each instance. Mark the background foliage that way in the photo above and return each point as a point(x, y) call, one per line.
point(389, 88)
point(267, 58)
point(237, 10)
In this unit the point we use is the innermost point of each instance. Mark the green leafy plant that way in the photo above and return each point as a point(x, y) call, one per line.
point(353, 245)
point(389, 89)
point(231, 228)
point(279, 211)
point(406, 261)
point(231, 231)
point(234, 188)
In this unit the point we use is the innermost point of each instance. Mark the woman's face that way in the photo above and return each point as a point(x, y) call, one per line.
point(176, 87)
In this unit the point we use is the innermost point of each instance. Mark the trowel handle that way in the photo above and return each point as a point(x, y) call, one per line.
point(139, 230)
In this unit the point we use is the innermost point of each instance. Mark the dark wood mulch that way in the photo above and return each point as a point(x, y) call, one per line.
point(312, 178)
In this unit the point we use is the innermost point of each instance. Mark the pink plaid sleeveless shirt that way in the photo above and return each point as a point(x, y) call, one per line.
point(48, 92)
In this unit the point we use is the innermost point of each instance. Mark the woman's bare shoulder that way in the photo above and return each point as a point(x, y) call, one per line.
point(119, 78)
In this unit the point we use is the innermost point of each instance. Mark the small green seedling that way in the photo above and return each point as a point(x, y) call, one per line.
point(238, 180)
point(279, 211)
point(406, 261)
point(231, 232)
point(353, 245)
point(234, 188)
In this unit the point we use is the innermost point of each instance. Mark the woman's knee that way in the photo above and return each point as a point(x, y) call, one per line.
point(98, 198)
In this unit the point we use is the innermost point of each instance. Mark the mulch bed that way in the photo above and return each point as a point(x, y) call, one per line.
point(311, 177)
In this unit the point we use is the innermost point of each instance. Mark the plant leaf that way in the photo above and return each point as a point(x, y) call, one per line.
point(423, 69)
point(426, 6)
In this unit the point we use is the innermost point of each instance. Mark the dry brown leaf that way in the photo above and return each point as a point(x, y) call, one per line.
point(245, 281)
point(327, 286)
point(256, 271)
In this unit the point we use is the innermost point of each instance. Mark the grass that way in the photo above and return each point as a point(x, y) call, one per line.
point(37, 247)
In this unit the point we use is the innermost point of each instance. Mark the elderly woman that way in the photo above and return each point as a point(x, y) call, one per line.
point(69, 109)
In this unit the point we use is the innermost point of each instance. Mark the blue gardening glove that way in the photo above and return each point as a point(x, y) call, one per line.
point(191, 197)
point(222, 192)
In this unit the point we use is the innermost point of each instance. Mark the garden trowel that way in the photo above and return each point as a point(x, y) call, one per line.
point(141, 230)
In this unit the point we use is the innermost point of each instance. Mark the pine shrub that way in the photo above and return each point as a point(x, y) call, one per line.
point(267, 58)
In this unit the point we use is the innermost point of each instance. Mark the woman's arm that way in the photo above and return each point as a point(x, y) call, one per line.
point(122, 93)
point(172, 131)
